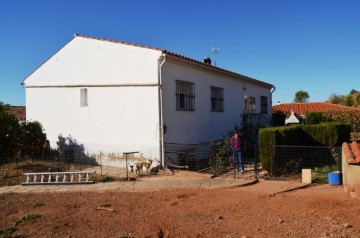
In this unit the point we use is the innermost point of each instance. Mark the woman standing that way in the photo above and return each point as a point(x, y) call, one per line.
point(236, 147)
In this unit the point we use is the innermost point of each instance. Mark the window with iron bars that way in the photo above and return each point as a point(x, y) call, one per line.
point(217, 99)
point(264, 104)
point(185, 96)
point(250, 104)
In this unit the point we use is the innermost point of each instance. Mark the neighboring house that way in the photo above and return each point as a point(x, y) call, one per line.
point(18, 111)
point(119, 97)
point(292, 119)
point(300, 108)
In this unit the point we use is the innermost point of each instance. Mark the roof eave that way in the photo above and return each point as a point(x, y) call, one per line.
point(216, 69)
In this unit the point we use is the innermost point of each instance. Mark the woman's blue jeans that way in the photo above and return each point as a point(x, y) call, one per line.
point(238, 160)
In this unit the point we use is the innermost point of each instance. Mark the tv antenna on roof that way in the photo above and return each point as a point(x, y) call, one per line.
point(215, 52)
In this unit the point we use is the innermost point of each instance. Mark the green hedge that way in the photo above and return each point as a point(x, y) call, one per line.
point(325, 134)
point(314, 118)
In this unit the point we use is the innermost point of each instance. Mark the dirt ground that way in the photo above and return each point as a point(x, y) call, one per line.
point(251, 211)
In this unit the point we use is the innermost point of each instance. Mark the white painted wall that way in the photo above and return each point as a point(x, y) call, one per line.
point(117, 118)
point(202, 124)
point(90, 61)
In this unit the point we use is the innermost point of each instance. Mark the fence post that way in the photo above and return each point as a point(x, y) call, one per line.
point(339, 158)
point(81, 159)
point(213, 158)
point(256, 154)
point(126, 166)
point(272, 154)
point(127, 169)
point(100, 164)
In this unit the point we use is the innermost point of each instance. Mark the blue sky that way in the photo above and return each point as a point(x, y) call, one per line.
point(310, 45)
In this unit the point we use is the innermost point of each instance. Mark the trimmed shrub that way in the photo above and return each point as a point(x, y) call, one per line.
point(328, 134)
point(325, 134)
point(313, 118)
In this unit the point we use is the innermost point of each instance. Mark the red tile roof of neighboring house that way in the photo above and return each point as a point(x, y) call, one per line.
point(18, 111)
point(302, 107)
point(178, 56)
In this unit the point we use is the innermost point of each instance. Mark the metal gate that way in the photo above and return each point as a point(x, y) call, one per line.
point(214, 157)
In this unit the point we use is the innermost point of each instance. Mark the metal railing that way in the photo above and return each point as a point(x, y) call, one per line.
point(211, 157)
point(257, 120)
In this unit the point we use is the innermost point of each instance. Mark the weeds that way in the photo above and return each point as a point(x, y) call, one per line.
point(326, 169)
point(10, 202)
point(7, 233)
point(320, 173)
point(320, 180)
point(4, 174)
point(107, 178)
point(128, 236)
point(39, 204)
point(29, 217)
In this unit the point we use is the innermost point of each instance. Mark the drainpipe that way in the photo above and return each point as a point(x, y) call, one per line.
point(161, 123)
point(271, 92)
point(273, 89)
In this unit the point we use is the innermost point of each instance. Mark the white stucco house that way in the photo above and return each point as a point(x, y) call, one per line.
point(119, 97)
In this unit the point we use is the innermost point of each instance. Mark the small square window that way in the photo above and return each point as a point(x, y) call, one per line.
point(83, 97)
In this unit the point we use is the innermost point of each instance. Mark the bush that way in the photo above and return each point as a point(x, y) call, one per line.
point(328, 134)
point(314, 118)
point(325, 134)
point(27, 137)
point(32, 138)
point(107, 178)
point(10, 132)
point(346, 116)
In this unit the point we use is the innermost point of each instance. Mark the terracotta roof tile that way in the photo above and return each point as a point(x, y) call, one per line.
point(350, 157)
point(18, 111)
point(302, 108)
point(352, 152)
